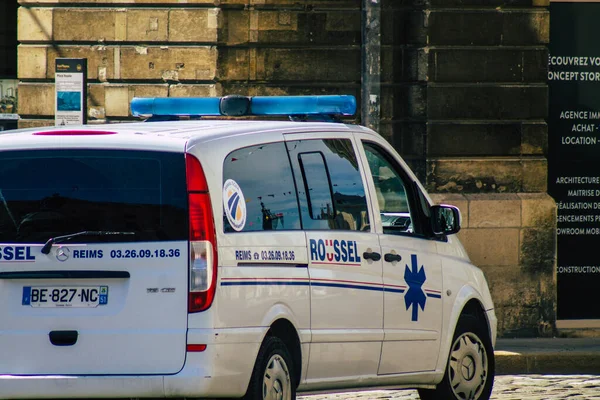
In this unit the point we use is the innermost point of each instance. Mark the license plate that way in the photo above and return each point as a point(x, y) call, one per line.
point(65, 296)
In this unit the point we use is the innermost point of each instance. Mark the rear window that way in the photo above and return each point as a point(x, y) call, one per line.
point(48, 193)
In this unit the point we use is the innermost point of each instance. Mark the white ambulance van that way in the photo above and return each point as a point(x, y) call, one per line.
point(229, 258)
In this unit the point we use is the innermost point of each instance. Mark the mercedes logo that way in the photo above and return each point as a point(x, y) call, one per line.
point(63, 253)
point(468, 368)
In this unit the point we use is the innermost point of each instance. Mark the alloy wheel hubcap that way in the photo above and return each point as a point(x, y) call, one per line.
point(276, 381)
point(468, 367)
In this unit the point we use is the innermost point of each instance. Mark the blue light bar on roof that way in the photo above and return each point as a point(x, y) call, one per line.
point(333, 105)
point(175, 106)
point(303, 105)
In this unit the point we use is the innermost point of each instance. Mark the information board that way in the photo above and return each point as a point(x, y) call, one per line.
point(71, 91)
point(574, 158)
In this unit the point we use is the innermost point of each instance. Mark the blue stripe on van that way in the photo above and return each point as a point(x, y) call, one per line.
point(393, 290)
point(269, 283)
point(259, 282)
point(347, 286)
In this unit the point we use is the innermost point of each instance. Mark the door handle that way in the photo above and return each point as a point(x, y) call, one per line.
point(63, 338)
point(372, 256)
point(389, 257)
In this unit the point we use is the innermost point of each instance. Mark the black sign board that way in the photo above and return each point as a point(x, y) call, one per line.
point(574, 157)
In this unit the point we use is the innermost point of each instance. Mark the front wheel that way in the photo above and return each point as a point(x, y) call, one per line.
point(470, 370)
point(272, 377)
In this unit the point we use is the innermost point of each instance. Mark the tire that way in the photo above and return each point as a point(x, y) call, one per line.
point(470, 369)
point(273, 376)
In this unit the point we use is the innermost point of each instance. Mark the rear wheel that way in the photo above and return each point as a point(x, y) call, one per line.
point(272, 377)
point(470, 370)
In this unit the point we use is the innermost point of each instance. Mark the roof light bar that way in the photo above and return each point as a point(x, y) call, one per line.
point(175, 106)
point(235, 105)
point(303, 105)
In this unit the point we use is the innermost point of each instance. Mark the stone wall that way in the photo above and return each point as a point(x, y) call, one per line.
point(463, 97)
point(145, 49)
point(486, 145)
point(198, 48)
point(511, 237)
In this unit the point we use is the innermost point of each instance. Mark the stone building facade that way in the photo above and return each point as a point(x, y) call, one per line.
point(463, 97)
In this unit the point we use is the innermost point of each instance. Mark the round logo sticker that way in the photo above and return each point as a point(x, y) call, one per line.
point(235, 204)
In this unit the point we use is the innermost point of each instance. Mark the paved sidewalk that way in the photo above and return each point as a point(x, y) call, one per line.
point(548, 356)
point(506, 387)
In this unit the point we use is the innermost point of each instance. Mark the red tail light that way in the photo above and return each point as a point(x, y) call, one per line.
point(202, 239)
point(196, 181)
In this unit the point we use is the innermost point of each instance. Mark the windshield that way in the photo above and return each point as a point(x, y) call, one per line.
point(47, 193)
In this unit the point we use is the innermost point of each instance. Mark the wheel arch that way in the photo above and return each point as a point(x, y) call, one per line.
point(283, 329)
point(283, 323)
point(470, 302)
point(475, 308)
point(469, 350)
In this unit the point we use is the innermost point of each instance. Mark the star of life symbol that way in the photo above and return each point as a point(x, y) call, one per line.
point(415, 297)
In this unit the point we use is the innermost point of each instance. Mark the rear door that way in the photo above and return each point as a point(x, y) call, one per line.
point(109, 301)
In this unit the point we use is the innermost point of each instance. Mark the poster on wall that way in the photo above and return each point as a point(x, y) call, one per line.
point(574, 158)
point(71, 91)
point(9, 119)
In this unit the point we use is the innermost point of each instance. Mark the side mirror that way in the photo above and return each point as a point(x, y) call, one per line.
point(445, 219)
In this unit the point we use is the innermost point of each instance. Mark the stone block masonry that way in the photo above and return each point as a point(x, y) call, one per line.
point(463, 97)
point(487, 143)
point(129, 50)
point(257, 46)
point(512, 238)
point(465, 100)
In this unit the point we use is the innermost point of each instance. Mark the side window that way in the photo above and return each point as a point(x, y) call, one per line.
point(392, 192)
point(317, 185)
point(330, 188)
point(262, 177)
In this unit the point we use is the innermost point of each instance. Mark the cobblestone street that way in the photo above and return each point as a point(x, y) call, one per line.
point(508, 387)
